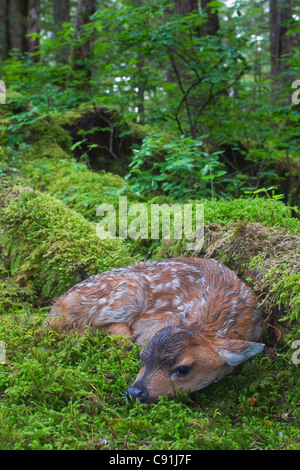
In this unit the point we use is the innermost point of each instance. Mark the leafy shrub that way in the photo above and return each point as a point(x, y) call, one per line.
point(184, 170)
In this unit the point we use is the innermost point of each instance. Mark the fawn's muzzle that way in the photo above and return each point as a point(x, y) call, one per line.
point(136, 392)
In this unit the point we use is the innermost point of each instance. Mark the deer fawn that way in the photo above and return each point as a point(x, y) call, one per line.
point(195, 318)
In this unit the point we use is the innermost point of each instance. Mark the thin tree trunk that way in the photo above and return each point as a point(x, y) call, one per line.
point(4, 30)
point(183, 7)
point(280, 42)
point(19, 18)
point(17, 23)
point(85, 9)
point(211, 27)
point(61, 15)
point(33, 24)
point(61, 12)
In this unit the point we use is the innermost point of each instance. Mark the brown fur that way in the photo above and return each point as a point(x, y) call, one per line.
point(188, 312)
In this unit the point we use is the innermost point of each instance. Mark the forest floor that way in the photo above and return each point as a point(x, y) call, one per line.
point(65, 391)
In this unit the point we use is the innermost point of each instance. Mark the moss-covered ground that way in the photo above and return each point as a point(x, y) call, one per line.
point(67, 392)
point(60, 391)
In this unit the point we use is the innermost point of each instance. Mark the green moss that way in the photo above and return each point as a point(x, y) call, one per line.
point(14, 103)
point(31, 136)
point(57, 395)
point(267, 258)
point(12, 293)
point(267, 211)
point(77, 186)
point(280, 275)
point(48, 139)
point(53, 246)
point(222, 213)
point(71, 117)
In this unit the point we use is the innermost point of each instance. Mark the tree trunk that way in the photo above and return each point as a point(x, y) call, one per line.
point(280, 42)
point(211, 27)
point(183, 7)
point(61, 15)
point(33, 24)
point(19, 18)
point(85, 9)
point(4, 30)
point(17, 24)
point(61, 12)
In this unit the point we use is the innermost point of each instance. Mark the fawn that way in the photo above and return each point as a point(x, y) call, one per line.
point(195, 319)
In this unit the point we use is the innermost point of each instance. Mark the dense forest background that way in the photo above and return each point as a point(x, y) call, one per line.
point(161, 101)
point(216, 76)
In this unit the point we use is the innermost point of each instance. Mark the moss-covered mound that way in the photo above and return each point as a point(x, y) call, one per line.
point(47, 139)
point(99, 134)
point(65, 392)
point(62, 391)
point(268, 258)
point(259, 239)
point(76, 185)
point(50, 246)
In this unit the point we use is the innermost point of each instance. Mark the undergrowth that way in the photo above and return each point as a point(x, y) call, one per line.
point(67, 392)
point(50, 247)
point(62, 391)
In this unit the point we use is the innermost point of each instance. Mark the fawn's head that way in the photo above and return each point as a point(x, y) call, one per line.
point(181, 358)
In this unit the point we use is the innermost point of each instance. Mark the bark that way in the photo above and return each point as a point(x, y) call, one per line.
point(19, 18)
point(280, 43)
point(33, 24)
point(4, 30)
point(183, 7)
point(61, 15)
point(85, 9)
point(17, 24)
point(61, 12)
point(211, 27)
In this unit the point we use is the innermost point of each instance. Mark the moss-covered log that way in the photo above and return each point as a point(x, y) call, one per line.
point(268, 258)
point(49, 247)
point(98, 134)
point(259, 240)
point(76, 185)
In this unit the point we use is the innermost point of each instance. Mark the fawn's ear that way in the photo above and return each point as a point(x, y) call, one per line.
point(234, 352)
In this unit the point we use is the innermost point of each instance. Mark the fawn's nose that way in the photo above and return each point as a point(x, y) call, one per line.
point(135, 392)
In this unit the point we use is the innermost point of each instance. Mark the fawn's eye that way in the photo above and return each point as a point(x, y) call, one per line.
point(183, 370)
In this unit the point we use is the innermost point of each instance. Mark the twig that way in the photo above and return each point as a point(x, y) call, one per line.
point(110, 151)
point(111, 126)
point(112, 429)
point(125, 442)
point(287, 444)
point(279, 332)
point(148, 254)
point(282, 388)
point(73, 419)
point(217, 149)
point(255, 434)
point(173, 63)
point(247, 272)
